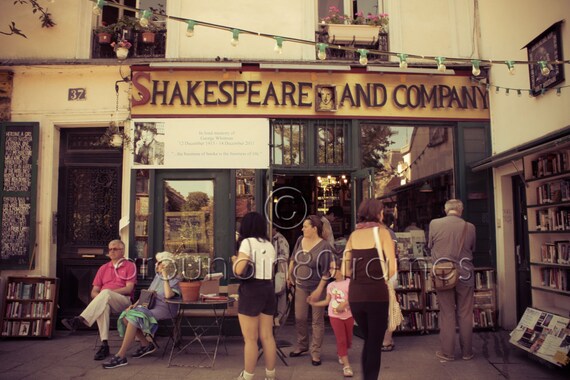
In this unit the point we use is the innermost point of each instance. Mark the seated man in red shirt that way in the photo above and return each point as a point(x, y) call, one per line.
point(112, 289)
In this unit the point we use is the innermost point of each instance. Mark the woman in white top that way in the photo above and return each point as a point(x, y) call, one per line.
point(257, 302)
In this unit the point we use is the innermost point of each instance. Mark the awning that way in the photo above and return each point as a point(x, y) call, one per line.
point(551, 140)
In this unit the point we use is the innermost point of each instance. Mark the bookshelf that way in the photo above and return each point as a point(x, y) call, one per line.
point(409, 292)
point(418, 299)
point(29, 307)
point(142, 220)
point(484, 300)
point(547, 174)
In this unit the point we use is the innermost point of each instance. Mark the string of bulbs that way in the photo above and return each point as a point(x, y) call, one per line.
point(545, 66)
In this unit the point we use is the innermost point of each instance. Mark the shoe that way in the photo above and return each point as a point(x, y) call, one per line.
point(72, 324)
point(347, 371)
point(294, 354)
point(102, 353)
point(316, 362)
point(468, 357)
point(144, 351)
point(442, 356)
point(388, 347)
point(115, 362)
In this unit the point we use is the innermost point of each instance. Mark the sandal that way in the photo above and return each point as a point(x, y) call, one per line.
point(388, 347)
point(347, 371)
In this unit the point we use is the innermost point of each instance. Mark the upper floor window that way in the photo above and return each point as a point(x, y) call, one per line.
point(113, 14)
point(118, 24)
point(350, 7)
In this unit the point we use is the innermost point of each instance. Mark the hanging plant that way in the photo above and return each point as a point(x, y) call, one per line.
point(115, 137)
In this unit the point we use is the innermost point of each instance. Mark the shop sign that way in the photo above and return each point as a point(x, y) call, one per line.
point(201, 143)
point(295, 94)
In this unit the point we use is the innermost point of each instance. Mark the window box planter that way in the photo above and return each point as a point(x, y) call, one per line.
point(357, 34)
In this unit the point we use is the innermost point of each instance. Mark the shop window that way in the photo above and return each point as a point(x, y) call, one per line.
point(331, 142)
point(413, 165)
point(288, 142)
point(189, 216)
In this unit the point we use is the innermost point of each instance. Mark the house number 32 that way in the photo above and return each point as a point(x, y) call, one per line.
point(76, 94)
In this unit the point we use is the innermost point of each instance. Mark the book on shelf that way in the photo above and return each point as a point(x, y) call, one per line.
point(555, 278)
point(24, 328)
point(483, 299)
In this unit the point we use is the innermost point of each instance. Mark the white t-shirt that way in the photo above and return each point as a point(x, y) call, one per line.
point(263, 255)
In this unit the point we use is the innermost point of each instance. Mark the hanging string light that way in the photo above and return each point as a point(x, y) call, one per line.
point(544, 66)
point(278, 45)
point(363, 56)
point(190, 28)
point(322, 54)
point(235, 37)
point(98, 7)
point(510, 67)
point(440, 65)
point(476, 67)
point(544, 69)
point(145, 18)
point(403, 60)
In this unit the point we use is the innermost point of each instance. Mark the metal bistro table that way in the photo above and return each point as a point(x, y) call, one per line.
point(213, 310)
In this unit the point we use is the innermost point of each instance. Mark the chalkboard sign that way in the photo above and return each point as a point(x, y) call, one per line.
point(18, 184)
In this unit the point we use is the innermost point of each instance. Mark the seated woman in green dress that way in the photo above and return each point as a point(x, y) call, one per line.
point(140, 322)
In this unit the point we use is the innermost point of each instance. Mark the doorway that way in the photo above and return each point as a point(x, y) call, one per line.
point(295, 196)
point(88, 213)
point(521, 254)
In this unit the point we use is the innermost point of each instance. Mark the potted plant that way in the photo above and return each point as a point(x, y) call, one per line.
point(125, 26)
point(104, 33)
point(121, 48)
point(192, 267)
point(114, 137)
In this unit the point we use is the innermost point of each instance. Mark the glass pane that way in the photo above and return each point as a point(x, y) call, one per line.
point(288, 146)
point(324, 7)
point(414, 167)
point(189, 216)
point(245, 192)
point(330, 144)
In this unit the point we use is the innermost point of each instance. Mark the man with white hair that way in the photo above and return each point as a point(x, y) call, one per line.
point(112, 290)
point(452, 239)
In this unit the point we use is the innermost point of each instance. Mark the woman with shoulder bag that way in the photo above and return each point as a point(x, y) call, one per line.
point(141, 321)
point(368, 292)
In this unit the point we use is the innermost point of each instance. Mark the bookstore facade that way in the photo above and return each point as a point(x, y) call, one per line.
point(201, 147)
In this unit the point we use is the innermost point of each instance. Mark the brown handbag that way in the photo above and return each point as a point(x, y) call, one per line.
point(147, 298)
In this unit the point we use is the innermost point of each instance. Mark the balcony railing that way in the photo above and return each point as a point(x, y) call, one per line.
point(377, 43)
point(140, 49)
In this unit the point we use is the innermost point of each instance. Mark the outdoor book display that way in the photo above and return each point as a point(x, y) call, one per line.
point(547, 174)
point(416, 292)
point(545, 335)
point(543, 329)
point(29, 307)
